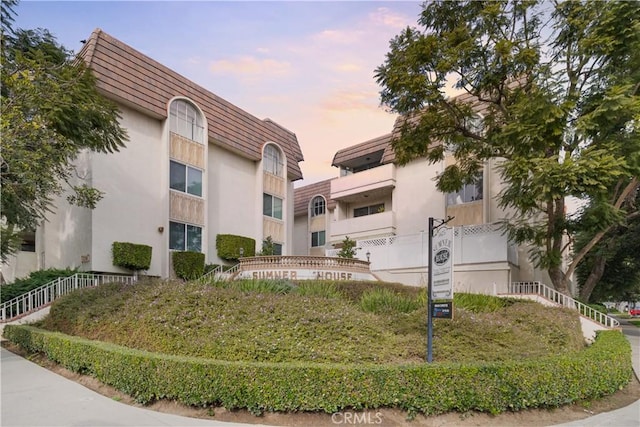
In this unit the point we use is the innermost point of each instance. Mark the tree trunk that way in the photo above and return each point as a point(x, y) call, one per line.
point(559, 280)
point(594, 277)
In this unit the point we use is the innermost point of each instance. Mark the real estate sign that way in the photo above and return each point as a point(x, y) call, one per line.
point(442, 262)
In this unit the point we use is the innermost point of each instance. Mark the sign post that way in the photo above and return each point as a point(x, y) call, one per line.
point(440, 286)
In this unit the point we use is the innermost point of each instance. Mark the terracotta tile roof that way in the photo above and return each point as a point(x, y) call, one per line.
point(128, 76)
point(303, 195)
point(381, 143)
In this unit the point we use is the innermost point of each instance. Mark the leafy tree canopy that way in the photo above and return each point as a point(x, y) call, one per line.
point(611, 270)
point(50, 112)
point(555, 87)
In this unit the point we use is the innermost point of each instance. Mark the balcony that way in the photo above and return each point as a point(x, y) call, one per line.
point(379, 224)
point(378, 181)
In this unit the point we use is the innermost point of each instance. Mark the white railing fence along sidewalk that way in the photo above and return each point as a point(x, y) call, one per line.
point(46, 294)
point(538, 288)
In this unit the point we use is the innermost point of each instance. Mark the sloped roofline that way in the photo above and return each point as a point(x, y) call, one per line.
point(126, 75)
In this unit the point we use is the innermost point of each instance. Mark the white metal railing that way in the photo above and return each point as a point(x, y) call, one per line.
point(218, 273)
point(538, 288)
point(37, 298)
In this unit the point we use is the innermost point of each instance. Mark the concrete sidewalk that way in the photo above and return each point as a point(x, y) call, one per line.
point(34, 396)
point(628, 416)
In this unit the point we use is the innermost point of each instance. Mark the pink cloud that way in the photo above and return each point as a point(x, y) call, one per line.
point(250, 65)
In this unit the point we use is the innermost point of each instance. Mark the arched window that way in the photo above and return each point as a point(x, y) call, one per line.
point(186, 120)
point(272, 160)
point(318, 206)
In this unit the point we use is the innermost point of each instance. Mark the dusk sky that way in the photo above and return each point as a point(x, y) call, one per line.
point(307, 65)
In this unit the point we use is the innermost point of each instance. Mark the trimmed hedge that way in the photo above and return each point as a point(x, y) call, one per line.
point(601, 369)
point(228, 246)
point(188, 265)
point(132, 256)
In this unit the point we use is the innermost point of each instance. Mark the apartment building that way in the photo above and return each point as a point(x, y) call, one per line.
point(385, 208)
point(195, 166)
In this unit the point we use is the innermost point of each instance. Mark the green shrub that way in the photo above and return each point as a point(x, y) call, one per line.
point(318, 289)
point(33, 281)
point(387, 301)
point(188, 265)
point(268, 247)
point(478, 303)
point(348, 248)
point(269, 286)
point(228, 246)
point(131, 256)
point(493, 387)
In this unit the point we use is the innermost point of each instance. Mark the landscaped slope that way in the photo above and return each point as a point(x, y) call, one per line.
point(321, 322)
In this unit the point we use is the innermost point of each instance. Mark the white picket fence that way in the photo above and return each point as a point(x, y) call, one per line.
point(44, 295)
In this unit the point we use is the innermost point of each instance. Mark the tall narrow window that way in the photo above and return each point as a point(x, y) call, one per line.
point(185, 120)
point(468, 193)
point(317, 238)
point(271, 206)
point(272, 160)
point(318, 206)
point(185, 178)
point(185, 237)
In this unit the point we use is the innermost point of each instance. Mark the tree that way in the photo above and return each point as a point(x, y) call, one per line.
point(348, 248)
point(51, 111)
point(611, 270)
point(268, 247)
point(557, 94)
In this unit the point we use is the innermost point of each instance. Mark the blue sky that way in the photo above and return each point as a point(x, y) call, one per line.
point(307, 65)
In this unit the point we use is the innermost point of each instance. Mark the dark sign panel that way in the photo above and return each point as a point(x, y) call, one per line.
point(442, 310)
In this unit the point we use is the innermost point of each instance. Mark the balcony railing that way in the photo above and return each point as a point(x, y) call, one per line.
point(302, 262)
point(380, 178)
point(380, 224)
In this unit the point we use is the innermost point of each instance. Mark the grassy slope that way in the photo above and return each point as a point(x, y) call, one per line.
point(231, 324)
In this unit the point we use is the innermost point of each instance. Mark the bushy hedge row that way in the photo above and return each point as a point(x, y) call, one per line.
point(602, 369)
point(131, 256)
point(188, 265)
point(228, 246)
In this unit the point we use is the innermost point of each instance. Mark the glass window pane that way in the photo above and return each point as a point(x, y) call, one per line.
point(277, 249)
point(176, 236)
point(317, 238)
point(194, 181)
point(361, 212)
point(267, 205)
point(177, 176)
point(317, 206)
point(194, 238)
point(277, 208)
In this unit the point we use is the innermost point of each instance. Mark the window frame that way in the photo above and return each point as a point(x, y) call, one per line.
point(185, 120)
point(187, 170)
point(186, 237)
point(271, 212)
point(370, 210)
point(318, 206)
point(317, 239)
point(272, 160)
point(469, 193)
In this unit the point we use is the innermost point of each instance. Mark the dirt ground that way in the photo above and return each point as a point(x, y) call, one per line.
point(380, 417)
